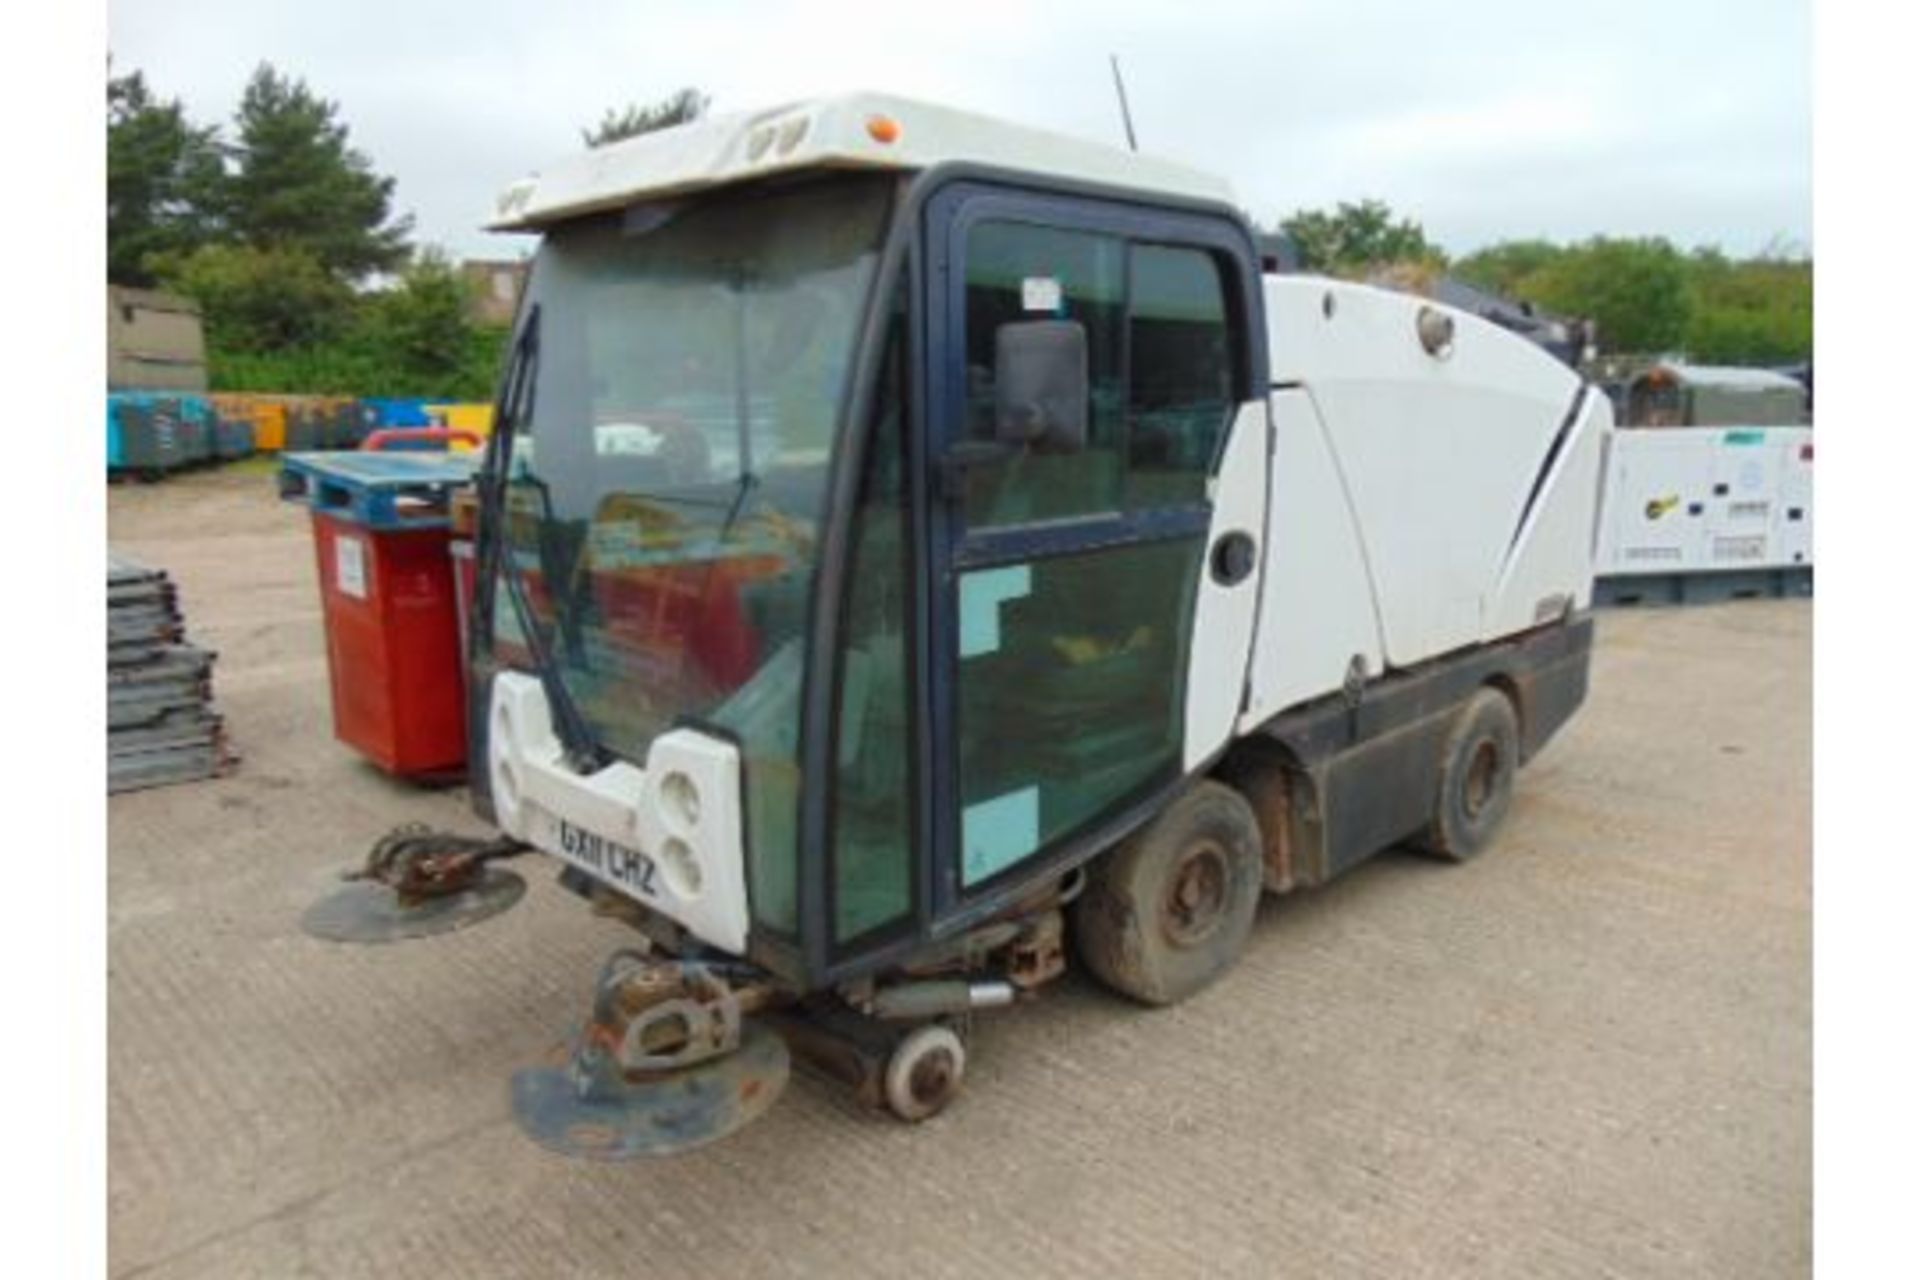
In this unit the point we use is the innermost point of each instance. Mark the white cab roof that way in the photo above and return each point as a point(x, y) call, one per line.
point(841, 132)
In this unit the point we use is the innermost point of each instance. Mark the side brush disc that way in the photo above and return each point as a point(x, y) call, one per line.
point(368, 911)
point(601, 1115)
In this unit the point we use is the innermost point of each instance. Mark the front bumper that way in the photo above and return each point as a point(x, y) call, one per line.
point(668, 835)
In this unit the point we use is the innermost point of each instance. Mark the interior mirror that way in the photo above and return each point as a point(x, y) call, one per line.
point(1040, 385)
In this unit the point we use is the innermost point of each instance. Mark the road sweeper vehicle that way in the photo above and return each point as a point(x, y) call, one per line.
point(915, 548)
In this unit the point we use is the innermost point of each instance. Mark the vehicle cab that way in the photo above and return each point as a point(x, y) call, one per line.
point(872, 530)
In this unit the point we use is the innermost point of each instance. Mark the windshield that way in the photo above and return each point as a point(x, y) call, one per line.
point(664, 497)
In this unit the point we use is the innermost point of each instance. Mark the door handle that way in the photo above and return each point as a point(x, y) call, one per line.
point(1232, 559)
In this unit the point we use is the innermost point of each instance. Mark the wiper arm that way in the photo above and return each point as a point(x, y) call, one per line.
point(515, 407)
point(747, 482)
point(742, 391)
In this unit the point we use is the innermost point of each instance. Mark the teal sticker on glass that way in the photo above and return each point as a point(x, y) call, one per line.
point(981, 595)
point(997, 833)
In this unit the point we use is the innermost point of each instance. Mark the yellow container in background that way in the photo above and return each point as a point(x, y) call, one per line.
point(284, 422)
point(477, 418)
point(270, 427)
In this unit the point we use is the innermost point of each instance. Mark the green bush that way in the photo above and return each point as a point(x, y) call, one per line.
point(276, 322)
point(362, 365)
point(255, 300)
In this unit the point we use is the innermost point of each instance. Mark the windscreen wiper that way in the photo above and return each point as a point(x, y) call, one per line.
point(742, 391)
point(746, 483)
point(583, 753)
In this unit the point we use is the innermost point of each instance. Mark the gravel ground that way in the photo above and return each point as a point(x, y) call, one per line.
point(1588, 1053)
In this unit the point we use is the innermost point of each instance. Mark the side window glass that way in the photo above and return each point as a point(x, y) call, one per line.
point(1180, 375)
point(1160, 364)
point(873, 777)
point(1014, 272)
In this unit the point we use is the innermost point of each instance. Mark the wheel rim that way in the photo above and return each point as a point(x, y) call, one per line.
point(931, 1078)
point(925, 1072)
point(1196, 898)
point(1483, 778)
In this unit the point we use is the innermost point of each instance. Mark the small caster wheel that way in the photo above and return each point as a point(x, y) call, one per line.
point(924, 1072)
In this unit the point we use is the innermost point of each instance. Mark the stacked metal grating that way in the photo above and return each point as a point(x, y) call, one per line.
point(161, 726)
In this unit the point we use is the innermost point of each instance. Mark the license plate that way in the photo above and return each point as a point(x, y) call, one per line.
point(621, 866)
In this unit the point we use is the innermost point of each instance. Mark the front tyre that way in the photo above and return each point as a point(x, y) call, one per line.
point(1171, 908)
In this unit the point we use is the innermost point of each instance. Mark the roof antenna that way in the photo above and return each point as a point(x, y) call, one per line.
point(1120, 87)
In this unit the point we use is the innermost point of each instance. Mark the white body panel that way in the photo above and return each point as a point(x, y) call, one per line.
point(668, 835)
point(1439, 453)
point(1699, 499)
point(1317, 610)
point(1550, 567)
point(1223, 616)
point(1420, 503)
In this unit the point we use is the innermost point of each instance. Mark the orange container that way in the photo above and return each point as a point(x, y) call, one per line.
point(269, 426)
point(266, 413)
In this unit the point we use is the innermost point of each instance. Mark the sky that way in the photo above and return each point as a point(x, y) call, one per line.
point(1484, 121)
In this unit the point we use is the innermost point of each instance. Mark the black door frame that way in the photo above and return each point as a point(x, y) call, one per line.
point(948, 217)
point(924, 260)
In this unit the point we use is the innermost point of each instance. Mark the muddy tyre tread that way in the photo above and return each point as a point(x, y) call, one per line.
point(1116, 920)
point(1457, 831)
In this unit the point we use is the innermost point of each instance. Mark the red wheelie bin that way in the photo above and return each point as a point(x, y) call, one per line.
point(381, 526)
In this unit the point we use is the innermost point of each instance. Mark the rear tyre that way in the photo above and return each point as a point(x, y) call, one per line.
point(1170, 909)
point(1476, 778)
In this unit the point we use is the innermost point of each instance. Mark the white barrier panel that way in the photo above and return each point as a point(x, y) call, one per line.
point(1701, 499)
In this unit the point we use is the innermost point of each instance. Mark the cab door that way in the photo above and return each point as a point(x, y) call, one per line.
point(1065, 572)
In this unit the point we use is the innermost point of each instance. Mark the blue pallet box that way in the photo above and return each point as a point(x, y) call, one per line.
point(232, 438)
point(378, 490)
point(196, 429)
point(398, 411)
point(149, 432)
point(116, 453)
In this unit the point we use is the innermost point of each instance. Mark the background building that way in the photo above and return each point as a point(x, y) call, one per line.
point(494, 288)
point(154, 341)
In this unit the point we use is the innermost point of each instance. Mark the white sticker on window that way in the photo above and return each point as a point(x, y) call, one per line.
point(1040, 293)
point(981, 594)
point(350, 566)
point(997, 833)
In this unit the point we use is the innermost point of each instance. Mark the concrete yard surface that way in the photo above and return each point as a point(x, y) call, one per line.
point(1586, 1053)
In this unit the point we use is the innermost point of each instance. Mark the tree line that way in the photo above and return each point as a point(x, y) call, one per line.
point(1643, 295)
point(286, 236)
point(308, 280)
